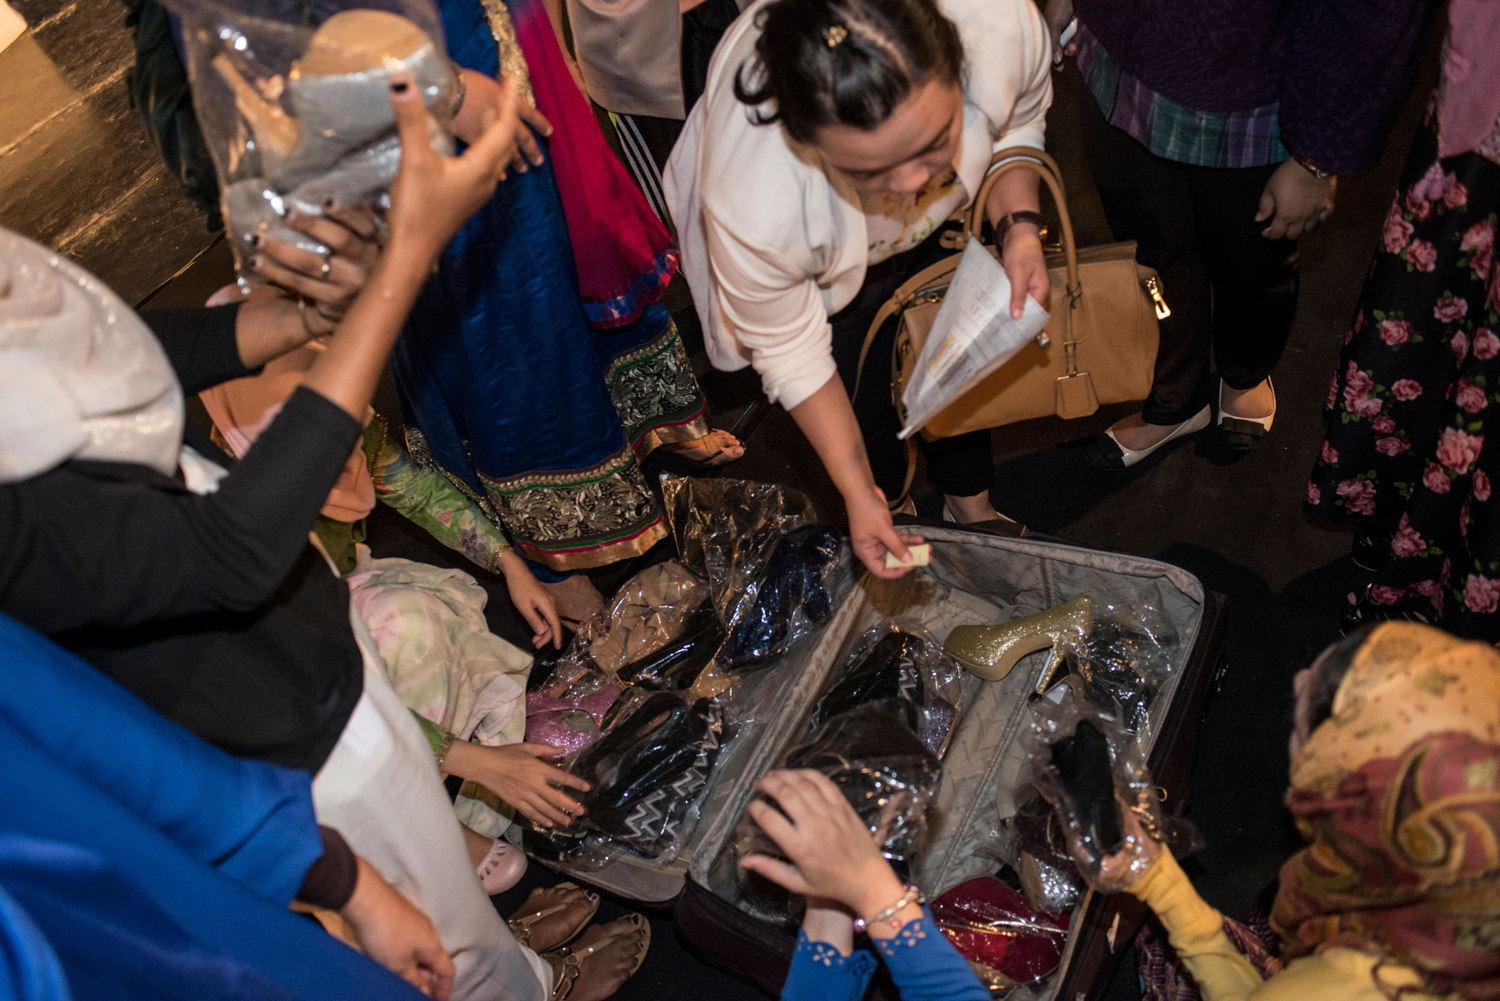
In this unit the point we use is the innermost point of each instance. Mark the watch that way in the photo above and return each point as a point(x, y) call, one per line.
point(1009, 219)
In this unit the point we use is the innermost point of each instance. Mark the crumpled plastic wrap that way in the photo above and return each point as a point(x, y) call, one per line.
point(295, 106)
point(1124, 661)
point(661, 629)
point(794, 593)
point(646, 772)
point(1006, 942)
point(568, 709)
point(1049, 877)
point(1093, 773)
point(773, 573)
point(900, 661)
point(878, 763)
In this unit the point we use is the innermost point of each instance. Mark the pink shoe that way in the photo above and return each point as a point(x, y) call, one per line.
point(502, 867)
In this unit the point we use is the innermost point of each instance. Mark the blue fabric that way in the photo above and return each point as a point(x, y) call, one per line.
point(498, 353)
point(922, 962)
point(265, 836)
point(820, 973)
point(156, 866)
point(29, 969)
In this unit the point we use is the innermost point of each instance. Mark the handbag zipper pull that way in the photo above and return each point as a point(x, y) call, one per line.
point(1153, 289)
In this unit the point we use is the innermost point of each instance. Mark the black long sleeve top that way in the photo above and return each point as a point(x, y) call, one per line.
point(213, 609)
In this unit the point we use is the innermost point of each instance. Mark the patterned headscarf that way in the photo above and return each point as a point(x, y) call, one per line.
point(81, 377)
point(1398, 795)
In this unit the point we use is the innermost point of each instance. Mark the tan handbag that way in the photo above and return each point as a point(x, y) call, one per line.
point(1099, 345)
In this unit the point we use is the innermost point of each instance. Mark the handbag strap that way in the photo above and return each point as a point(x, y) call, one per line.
point(1041, 164)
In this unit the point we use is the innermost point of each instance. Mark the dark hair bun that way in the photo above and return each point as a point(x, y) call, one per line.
point(845, 62)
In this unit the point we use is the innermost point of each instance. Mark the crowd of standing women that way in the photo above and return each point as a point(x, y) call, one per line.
point(259, 710)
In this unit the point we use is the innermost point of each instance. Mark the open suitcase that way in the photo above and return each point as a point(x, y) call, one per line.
point(974, 577)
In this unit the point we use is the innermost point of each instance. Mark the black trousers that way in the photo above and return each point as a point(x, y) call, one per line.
point(960, 465)
point(1232, 291)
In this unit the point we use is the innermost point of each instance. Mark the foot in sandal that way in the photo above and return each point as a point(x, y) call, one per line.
point(602, 960)
point(715, 449)
point(553, 916)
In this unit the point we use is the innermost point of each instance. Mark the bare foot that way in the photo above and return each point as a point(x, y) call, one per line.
point(619, 949)
point(576, 597)
point(967, 510)
point(717, 448)
point(1135, 434)
point(1256, 403)
point(578, 907)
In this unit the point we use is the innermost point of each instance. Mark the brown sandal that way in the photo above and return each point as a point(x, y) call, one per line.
point(521, 924)
point(573, 959)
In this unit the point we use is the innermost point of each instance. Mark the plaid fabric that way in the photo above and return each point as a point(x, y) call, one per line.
point(1171, 130)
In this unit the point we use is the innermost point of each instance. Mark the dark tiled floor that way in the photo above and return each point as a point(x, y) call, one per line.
point(76, 171)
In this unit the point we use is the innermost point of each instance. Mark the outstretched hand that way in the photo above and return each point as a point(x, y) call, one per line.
point(328, 281)
point(872, 534)
point(535, 604)
point(397, 935)
point(520, 775)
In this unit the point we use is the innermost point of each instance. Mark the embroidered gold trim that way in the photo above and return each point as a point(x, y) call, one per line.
point(512, 59)
point(653, 388)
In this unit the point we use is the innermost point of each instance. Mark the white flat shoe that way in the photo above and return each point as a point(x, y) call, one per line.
point(1241, 434)
point(1108, 453)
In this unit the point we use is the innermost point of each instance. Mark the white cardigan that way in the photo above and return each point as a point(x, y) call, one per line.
point(773, 241)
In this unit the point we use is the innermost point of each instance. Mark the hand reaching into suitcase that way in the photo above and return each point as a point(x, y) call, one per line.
point(831, 858)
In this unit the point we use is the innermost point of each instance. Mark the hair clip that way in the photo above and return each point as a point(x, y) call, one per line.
point(835, 34)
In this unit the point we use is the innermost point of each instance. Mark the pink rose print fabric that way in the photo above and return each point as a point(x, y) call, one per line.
point(1408, 449)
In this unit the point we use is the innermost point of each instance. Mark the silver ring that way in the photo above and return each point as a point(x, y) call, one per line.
point(327, 264)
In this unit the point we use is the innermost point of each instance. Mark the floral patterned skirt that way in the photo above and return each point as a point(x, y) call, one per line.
point(1415, 396)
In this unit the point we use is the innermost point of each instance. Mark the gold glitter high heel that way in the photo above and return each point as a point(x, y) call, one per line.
point(991, 651)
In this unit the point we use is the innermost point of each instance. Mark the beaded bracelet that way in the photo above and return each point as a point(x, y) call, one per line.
point(911, 896)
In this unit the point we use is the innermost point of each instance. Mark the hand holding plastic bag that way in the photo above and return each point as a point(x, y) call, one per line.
point(829, 851)
point(296, 113)
point(1092, 773)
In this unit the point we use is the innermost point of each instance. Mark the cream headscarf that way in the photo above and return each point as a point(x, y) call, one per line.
point(81, 377)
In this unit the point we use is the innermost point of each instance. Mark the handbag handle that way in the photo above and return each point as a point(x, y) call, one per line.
point(1040, 163)
point(1003, 162)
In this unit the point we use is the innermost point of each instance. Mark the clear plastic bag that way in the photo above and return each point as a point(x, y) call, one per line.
point(568, 708)
point(794, 592)
point(1006, 942)
point(725, 529)
point(899, 660)
point(1093, 773)
point(875, 759)
point(294, 101)
point(773, 572)
point(645, 773)
point(1123, 661)
point(661, 629)
point(1049, 877)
